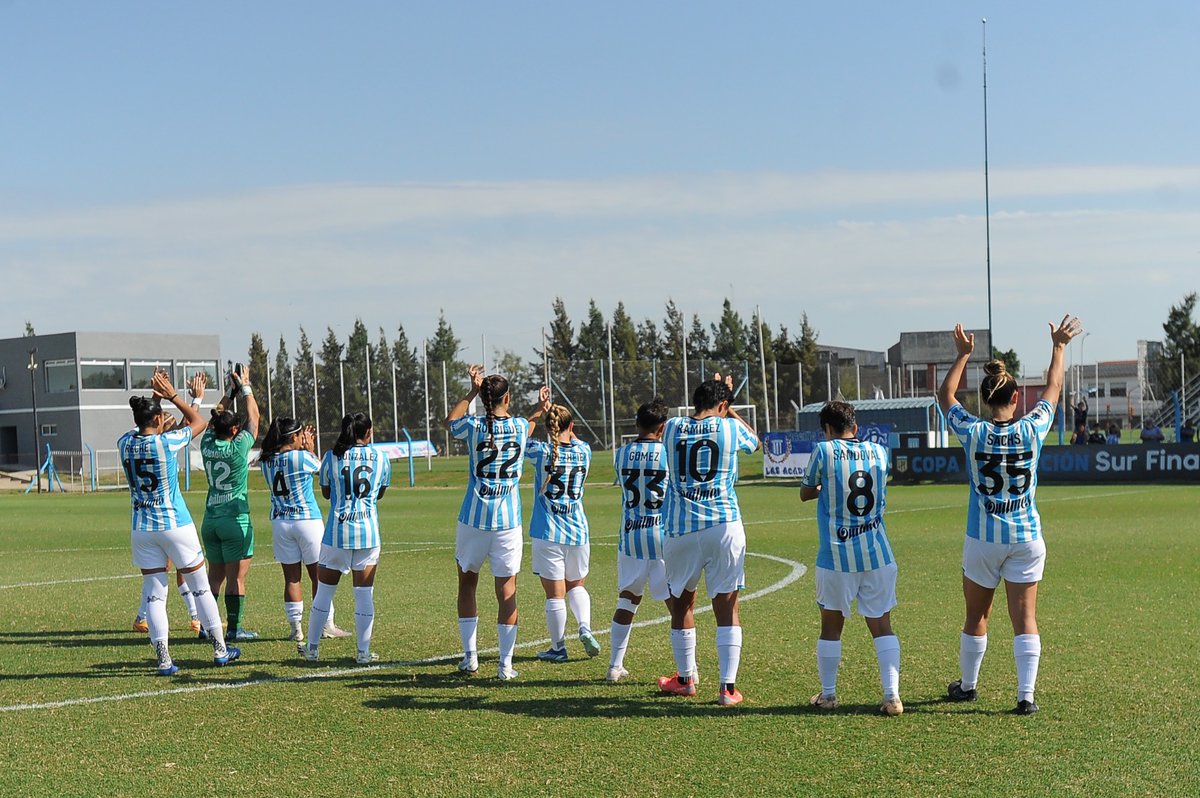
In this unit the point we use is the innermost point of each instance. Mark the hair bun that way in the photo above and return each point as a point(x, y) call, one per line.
point(138, 402)
point(995, 368)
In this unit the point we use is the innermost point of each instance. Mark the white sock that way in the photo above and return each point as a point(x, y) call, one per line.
point(364, 617)
point(329, 620)
point(729, 652)
point(971, 649)
point(507, 635)
point(556, 621)
point(154, 596)
point(294, 610)
point(319, 615)
point(683, 646)
point(829, 657)
point(1027, 651)
point(142, 604)
point(580, 602)
point(620, 642)
point(188, 601)
point(467, 629)
point(206, 608)
point(887, 651)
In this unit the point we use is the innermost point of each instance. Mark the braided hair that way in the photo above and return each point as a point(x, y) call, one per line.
point(558, 418)
point(998, 387)
point(491, 392)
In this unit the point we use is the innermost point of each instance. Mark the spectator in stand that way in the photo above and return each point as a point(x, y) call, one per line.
point(1098, 436)
point(1080, 436)
point(1151, 433)
point(1081, 412)
point(1114, 435)
point(1187, 433)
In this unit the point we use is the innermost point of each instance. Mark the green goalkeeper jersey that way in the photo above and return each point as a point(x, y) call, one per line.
point(226, 464)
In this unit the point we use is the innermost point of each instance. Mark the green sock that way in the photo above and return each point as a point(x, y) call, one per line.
point(234, 606)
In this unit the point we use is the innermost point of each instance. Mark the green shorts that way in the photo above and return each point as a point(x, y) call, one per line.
point(227, 539)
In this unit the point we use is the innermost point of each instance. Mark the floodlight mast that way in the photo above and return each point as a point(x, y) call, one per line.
point(987, 210)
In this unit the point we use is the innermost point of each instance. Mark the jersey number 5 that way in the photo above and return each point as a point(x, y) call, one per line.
point(1016, 472)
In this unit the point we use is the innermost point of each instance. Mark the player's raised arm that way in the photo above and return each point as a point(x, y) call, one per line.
point(462, 405)
point(965, 344)
point(163, 389)
point(1060, 336)
point(543, 406)
point(242, 381)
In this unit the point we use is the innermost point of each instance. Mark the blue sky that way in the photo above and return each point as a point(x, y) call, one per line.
point(278, 164)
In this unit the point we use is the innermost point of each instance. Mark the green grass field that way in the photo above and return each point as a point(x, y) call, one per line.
point(82, 713)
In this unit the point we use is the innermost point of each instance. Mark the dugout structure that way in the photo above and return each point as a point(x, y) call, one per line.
point(916, 421)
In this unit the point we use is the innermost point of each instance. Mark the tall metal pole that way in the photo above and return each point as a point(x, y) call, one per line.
point(316, 404)
point(342, 384)
point(269, 413)
point(987, 197)
point(395, 408)
point(775, 383)
point(428, 423)
point(292, 373)
point(445, 406)
point(37, 427)
point(762, 367)
point(612, 402)
point(800, 381)
point(370, 404)
point(545, 360)
point(687, 401)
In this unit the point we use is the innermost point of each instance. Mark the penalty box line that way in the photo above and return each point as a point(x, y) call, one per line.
point(798, 570)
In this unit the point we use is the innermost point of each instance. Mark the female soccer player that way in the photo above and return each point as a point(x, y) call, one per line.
point(289, 463)
point(489, 522)
point(162, 527)
point(642, 471)
point(354, 476)
point(559, 527)
point(1004, 530)
point(227, 532)
point(848, 477)
point(704, 532)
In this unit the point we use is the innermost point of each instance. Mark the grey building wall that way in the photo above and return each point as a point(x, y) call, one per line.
point(80, 414)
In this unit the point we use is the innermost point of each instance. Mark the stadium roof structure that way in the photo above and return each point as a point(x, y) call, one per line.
point(902, 403)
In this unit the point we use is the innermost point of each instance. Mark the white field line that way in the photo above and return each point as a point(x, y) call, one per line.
point(797, 570)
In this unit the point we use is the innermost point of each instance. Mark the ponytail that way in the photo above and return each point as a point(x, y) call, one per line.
point(279, 434)
point(558, 418)
point(354, 427)
point(145, 410)
point(491, 391)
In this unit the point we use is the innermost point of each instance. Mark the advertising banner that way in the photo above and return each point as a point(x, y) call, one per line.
point(785, 454)
point(1169, 462)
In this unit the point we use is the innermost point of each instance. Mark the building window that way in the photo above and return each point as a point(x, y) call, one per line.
point(140, 372)
point(49, 430)
point(60, 376)
point(185, 370)
point(1117, 390)
point(102, 374)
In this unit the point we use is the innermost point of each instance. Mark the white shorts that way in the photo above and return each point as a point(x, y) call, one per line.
point(557, 561)
point(297, 540)
point(718, 552)
point(986, 563)
point(874, 590)
point(344, 560)
point(180, 545)
point(633, 575)
point(502, 549)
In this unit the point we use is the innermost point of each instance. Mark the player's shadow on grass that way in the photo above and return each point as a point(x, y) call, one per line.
point(73, 639)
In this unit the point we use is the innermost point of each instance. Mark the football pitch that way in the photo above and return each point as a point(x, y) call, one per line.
point(1119, 687)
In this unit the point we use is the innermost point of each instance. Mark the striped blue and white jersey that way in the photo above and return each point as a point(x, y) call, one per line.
point(151, 470)
point(642, 471)
point(558, 492)
point(704, 469)
point(354, 480)
point(289, 475)
point(852, 475)
point(492, 502)
point(1002, 461)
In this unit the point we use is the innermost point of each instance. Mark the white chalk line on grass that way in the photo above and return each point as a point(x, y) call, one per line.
point(428, 546)
point(798, 570)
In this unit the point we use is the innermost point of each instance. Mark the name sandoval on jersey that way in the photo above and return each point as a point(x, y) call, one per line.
point(853, 454)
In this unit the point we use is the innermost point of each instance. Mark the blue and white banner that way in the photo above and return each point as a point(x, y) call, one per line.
point(876, 433)
point(398, 450)
point(785, 454)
